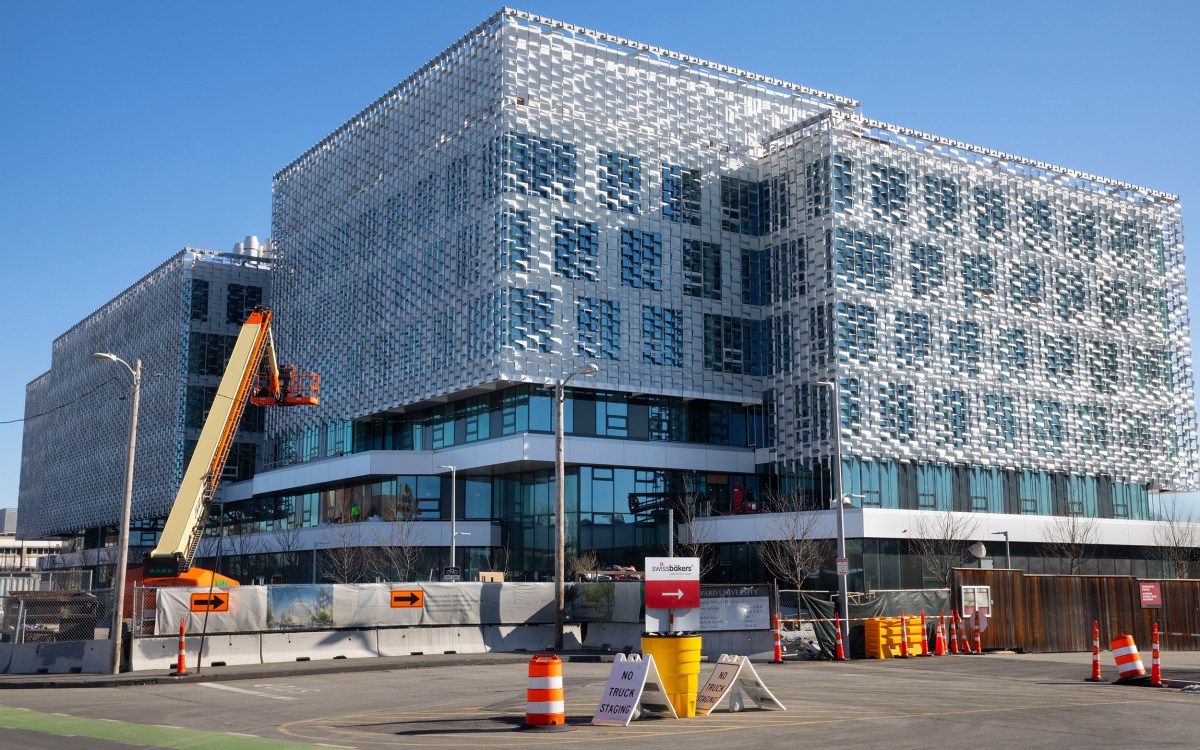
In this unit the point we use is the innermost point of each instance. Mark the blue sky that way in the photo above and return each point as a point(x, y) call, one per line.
point(133, 129)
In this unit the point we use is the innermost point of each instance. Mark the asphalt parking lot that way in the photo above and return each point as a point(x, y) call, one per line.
point(998, 700)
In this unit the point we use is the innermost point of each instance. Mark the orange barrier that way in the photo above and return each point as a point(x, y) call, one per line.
point(1095, 653)
point(1155, 667)
point(181, 660)
point(839, 651)
point(778, 642)
point(544, 703)
point(1129, 663)
point(924, 637)
point(939, 639)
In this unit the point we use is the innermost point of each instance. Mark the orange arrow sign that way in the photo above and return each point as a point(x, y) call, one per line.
point(210, 602)
point(401, 599)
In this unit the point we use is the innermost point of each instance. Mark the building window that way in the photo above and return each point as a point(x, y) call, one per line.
point(620, 182)
point(858, 333)
point(1102, 366)
point(541, 167)
point(199, 300)
point(530, 319)
point(864, 259)
point(1037, 223)
point(952, 416)
point(979, 280)
point(897, 411)
point(514, 232)
point(681, 194)
point(889, 193)
point(1083, 234)
point(991, 212)
point(1014, 353)
point(702, 269)
point(599, 324)
point(942, 204)
point(913, 338)
point(963, 344)
point(816, 188)
point(741, 206)
point(662, 336)
point(1071, 289)
point(756, 276)
point(208, 353)
point(928, 266)
point(725, 343)
point(641, 259)
point(240, 302)
point(575, 245)
point(843, 182)
point(1025, 286)
point(1059, 357)
point(1000, 417)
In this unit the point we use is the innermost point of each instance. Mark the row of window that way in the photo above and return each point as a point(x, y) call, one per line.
point(240, 301)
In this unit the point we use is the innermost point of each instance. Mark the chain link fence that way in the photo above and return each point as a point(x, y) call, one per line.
point(55, 616)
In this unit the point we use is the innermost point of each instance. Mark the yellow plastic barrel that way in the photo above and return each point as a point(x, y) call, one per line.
point(677, 656)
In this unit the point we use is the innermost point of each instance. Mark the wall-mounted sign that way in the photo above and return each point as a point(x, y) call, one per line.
point(1151, 594)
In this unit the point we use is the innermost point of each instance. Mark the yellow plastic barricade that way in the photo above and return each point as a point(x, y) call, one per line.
point(677, 657)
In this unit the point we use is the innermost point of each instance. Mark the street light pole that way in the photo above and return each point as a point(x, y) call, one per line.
point(839, 500)
point(126, 504)
point(560, 509)
point(1007, 550)
point(453, 513)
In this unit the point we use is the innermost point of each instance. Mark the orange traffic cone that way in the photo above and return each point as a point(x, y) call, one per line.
point(939, 639)
point(953, 635)
point(181, 659)
point(924, 637)
point(839, 652)
point(1095, 653)
point(1155, 667)
point(778, 644)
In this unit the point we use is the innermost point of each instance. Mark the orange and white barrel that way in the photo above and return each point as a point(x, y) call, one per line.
point(544, 703)
point(1125, 653)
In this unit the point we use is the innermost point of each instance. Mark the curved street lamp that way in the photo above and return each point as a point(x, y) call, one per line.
point(560, 522)
point(126, 502)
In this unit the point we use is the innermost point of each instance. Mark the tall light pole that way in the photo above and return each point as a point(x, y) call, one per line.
point(126, 503)
point(1007, 550)
point(838, 500)
point(560, 509)
point(453, 513)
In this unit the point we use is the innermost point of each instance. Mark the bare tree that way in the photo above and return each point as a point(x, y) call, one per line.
point(345, 560)
point(499, 559)
point(239, 545)
point(940, 540)
point(289, 544)
point(584, 562)
point(1070, 543)
point(396, 552)
point(694, 537)
point(792, 552)
point(1178, 540)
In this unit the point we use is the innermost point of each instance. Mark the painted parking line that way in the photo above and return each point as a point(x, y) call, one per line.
point(137, 735)
point(244, 691)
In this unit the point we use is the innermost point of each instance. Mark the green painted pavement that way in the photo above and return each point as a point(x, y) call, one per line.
point(136, 734)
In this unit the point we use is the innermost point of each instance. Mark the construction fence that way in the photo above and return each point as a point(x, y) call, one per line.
point(807, 617)
point(1054, 613)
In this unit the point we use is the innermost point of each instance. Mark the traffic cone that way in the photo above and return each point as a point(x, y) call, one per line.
point(839, 652)
point(778, 644)
point(1155, 668)
point(924, 637)
point(181, 660)
point(1095, 653)
point(939, 639)
point(962, 633)
point(953, 635)
point(903, 636)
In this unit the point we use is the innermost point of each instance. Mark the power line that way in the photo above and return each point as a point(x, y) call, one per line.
point(60, 406)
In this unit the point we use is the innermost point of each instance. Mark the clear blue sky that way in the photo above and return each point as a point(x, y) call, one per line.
point(133, 129)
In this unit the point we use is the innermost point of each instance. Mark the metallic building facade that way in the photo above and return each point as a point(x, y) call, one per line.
point(542, 195)
point(180, 320)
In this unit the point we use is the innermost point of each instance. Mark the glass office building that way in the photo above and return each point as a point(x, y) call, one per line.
point(776, 290)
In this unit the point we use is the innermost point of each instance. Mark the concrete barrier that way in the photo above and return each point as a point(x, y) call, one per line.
point(462, 639)
point(318, 645)
point(404, 641)
point(230, 650)
point(68, 657)
point(614, 636)
point(161, 653)
point(510, 638)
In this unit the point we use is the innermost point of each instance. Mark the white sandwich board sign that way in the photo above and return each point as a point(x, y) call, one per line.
point(730, 678)
point(634, 687)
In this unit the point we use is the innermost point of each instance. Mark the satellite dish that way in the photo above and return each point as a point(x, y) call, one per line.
point(978, 550)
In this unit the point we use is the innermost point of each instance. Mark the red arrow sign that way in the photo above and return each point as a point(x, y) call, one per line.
point(679, 594)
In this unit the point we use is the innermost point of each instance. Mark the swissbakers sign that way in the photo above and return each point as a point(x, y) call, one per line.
point(672, 582)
